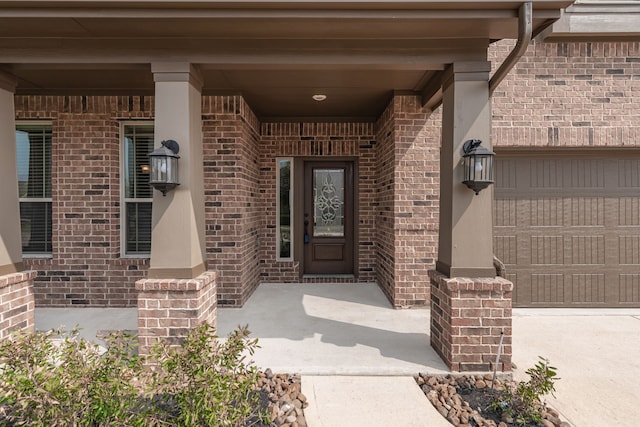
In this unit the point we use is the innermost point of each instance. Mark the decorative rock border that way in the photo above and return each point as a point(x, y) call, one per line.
point(286, 401)
point(443, 393)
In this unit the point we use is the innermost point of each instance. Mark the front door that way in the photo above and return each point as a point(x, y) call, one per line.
point(328, 217)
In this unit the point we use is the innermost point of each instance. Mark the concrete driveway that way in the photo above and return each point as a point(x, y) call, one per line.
point(597, 353)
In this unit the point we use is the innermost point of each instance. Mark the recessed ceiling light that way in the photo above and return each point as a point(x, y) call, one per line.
point(319, 97)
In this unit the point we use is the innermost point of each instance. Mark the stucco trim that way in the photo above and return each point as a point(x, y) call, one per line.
point(16, 267)
point(176, 273)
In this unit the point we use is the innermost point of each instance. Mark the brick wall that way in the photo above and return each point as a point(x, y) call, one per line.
point(569, 94)
point(468, 317)
point(323, 140)
point(85, 268)
point(384, 219)
point(16, 302)
point(408, 188)
point(232, 198)
point(559, 95)
point(169, 308)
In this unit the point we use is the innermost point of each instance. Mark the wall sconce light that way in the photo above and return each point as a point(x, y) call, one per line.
point(478, 165)
point(164, 166)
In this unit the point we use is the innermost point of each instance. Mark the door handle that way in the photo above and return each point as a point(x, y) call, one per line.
point(306, 229)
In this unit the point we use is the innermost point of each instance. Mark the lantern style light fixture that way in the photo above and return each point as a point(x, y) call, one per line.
point(478, 165)
point(164, 166)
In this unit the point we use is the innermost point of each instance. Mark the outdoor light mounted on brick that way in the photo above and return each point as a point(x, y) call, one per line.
point(164, 166)
point(478, 165)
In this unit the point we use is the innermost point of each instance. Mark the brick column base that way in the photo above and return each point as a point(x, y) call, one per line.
point(467, 317)
point(169, 308)
point(16, 302)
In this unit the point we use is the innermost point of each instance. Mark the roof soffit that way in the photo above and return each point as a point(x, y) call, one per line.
point(358, 53)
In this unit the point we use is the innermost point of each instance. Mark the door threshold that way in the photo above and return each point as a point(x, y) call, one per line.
point(328, 276)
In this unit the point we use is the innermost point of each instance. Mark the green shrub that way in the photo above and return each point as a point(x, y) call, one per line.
point(524, 403)
point(44, 381)
point(72, 382)
point(205, 382)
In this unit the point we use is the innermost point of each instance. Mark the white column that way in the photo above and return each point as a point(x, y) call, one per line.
point(10, 236)
point(466, 228)
point(178, 234)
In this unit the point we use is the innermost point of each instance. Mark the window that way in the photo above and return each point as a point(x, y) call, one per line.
point(137, 193)
point(284, 222)
point(33, 158)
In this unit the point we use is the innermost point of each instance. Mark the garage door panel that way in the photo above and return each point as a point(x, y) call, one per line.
point(506, 249)
point(547, 250)
point(587, 289)
point(546, 173)
point(506, 175)
point(587, 211)
point(629, 250)
point(568, 290)
point(586, 173)
point(629, 211)
point(629, 289)
point(504, 213)
point(547, 212)
point(587, 250)
point(629, 173)
point(547, 289)
point(576, 226)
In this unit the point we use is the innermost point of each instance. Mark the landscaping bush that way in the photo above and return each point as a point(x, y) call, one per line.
point(523, 403)
point(66, 382)
point(203, 382)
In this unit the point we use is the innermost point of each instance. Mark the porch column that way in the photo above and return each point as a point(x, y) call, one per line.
point(178, 231)
point(16, 285)
point(178, 236)
point(470, 306)
point(10, 240)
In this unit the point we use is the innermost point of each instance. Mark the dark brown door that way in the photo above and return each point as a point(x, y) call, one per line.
point(328, 218)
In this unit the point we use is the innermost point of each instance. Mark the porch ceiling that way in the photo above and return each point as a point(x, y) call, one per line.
point(276, 54)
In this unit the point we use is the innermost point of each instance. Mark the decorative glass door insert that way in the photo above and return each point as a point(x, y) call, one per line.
point(328, 202)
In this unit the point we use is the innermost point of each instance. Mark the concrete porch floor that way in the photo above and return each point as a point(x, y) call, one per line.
point(334, 329)
point(311, 329)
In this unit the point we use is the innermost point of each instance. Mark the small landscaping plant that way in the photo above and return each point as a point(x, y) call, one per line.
point(70, 381)
point(523, 404)
point(203, 382)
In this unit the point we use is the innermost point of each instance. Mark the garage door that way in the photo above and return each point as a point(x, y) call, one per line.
point(567, 228)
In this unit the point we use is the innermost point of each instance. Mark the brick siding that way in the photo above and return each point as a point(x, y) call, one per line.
point(85, 268)
point(317, 140)
point(468, 317)
point(569, 95)
point(559, 95)
point(408, 191)
point(233, 213)
point(16, 302)
point(169, 308)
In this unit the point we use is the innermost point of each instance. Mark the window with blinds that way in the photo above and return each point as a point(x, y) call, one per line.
point(137, 144)
point(33, 157)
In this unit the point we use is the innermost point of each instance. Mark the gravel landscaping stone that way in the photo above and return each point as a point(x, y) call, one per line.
point(465, 401)
point(283, 397)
